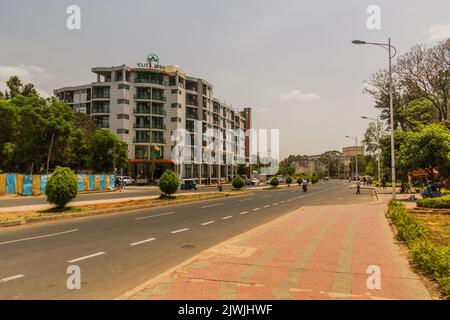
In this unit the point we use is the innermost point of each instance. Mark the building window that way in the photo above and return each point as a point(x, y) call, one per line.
point(123, 116)
point(175, 119)
point(174, 91)
point(123, 131)
point(124, 86)
point(123, 101)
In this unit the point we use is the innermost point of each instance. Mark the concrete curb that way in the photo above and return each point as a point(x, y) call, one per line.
point(16, 222)
point(11, 223)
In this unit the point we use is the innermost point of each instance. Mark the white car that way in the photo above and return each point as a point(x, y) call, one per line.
point(127, 180)
point(254, 181)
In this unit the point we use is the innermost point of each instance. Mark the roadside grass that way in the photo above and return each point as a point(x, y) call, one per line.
point(437, 227)
point(428, 249)
point(92, 208)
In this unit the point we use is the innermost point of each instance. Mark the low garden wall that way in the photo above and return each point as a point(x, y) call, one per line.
point(27, 185)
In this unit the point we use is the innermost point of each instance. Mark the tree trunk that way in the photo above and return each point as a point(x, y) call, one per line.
point(49, 152)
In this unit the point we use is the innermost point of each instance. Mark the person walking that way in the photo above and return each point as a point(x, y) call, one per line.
point(358, 187)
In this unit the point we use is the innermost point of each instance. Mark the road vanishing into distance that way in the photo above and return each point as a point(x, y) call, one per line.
point(117, 252)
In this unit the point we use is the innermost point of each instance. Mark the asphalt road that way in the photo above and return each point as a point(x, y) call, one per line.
point(128, 192)
point(117, 252)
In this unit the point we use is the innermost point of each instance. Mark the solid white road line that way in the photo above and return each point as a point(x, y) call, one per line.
point(212, 205)
point(17, 276)
point(227, 217)
point(143, 241)
point(243, 212)
point(155, 215)
point(87, 257)
point(39, 237)
point(181, 230)
point(206, 223)
point(246, 199)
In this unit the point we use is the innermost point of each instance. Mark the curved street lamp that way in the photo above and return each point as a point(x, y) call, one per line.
point(388, 46)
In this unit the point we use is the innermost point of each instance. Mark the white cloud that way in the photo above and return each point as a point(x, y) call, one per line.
point(438, 32)
point(27, 74)
point(299, 96)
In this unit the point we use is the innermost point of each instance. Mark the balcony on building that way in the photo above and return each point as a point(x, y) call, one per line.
point(100, 107)
point(142, 137)
point(158, 124)
point(191, 113)
point(100, 93)
point(158, 109)
point(142, 108)
point(150, 77)
point(192, 85)
point(158, 137)
point(191, 99)
point(102, 122)
point(142, 123)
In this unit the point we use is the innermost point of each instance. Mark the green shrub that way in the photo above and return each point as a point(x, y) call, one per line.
point(440, 202)
point(169, 183)
point(238, 182)
point(445, 192)
point(314, 179)
point(274, 182)
point(288, 180)
point(432, 260)
point(62, 187)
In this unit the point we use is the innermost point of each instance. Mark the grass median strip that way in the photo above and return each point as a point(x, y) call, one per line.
point(110, 207)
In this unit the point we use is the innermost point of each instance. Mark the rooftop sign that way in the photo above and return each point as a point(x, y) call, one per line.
point(152, 62)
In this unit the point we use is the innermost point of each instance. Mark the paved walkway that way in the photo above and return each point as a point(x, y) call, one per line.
point(321, 252)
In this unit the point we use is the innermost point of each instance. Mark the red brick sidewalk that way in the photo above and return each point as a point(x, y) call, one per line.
point(318, 252)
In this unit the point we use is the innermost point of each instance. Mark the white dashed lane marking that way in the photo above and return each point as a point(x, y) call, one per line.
point(212, 205)
point(227, 217)
point(243, 212)
point(40, 237)
point(206, 223)
point(143, 241)
point(181, 230)
point(17, 276)
point(155, 215)
point(87, 257)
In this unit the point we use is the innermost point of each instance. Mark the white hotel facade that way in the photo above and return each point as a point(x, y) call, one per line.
point(144, 105)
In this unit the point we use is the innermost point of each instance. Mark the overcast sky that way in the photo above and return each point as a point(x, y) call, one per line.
point(292, 61)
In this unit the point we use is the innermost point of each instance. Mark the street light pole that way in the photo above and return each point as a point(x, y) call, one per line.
point(388, 46)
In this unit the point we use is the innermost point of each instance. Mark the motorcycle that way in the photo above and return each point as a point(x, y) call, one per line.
point(304, 187)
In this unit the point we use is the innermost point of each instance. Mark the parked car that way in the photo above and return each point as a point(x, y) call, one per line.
point(254, 181)
point(188, 185)
point(127, 180)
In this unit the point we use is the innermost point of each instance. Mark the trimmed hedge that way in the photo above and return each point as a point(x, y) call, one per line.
point(238, 182)
point(288, 180)
point(169, 183)
point(432, 260)
point(274, 182)
point(440, 202)
point(62, 187)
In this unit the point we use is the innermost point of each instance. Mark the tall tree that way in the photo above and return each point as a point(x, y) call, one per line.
point(107, 150)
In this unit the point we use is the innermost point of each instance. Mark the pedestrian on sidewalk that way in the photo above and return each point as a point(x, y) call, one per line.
point(358, 187)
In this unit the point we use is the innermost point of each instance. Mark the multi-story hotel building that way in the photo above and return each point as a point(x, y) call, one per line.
point(144, 105)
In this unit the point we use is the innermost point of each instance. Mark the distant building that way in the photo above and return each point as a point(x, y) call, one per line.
point(143, 105)
point(311, 165)
point(351, 151)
